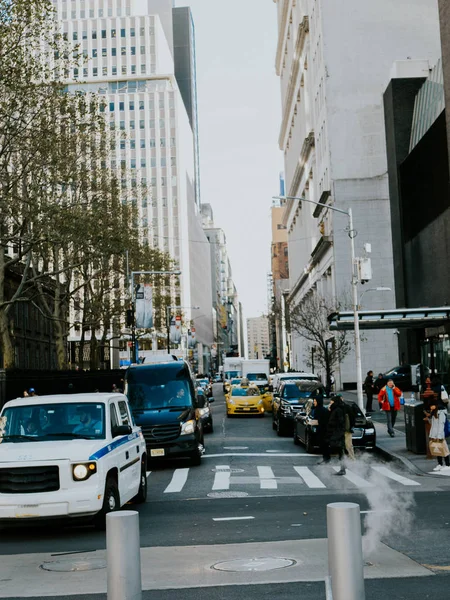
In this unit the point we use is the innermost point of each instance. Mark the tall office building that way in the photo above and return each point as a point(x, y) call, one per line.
point(130, 61)
point(258, 343)
point(333, 60)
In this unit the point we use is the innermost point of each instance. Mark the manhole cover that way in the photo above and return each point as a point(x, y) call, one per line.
point(227, 495)
point(227, 470)
point(65, 566)
point(254, 564)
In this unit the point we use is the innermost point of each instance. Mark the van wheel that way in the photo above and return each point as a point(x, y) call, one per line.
point(111, 503)
point(141, 496)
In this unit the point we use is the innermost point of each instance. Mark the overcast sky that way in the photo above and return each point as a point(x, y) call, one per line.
point(239, 117)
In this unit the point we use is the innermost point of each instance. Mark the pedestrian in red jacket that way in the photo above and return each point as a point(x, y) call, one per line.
point(389, 398)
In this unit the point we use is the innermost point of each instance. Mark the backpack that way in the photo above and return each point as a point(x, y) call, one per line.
point(446, 428)
point(350, 417)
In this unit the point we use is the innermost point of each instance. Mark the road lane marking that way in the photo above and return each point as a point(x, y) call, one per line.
point(149, 473)
point(388, 473)
point(311, 480)
point(222, 478)
point(233, 518)
point(260, 454)
point(355, 479)
point(267, 478)
point(235, 447)
point(179, 478)
point(368, 512)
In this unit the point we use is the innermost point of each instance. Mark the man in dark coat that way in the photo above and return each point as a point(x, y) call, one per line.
point(335, 433)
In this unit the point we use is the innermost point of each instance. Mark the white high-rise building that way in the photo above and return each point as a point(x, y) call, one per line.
point(258, 343)
point(333, 60)
point(130, 62)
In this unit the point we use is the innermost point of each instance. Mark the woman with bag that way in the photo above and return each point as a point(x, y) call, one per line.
point(438, 445)
point(389, 398)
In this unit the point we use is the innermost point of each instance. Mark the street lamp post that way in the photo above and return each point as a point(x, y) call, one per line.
point(352, 235)
point(133, 303)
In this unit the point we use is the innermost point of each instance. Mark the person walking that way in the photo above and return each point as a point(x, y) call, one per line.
point(369, 389)
point(335, 433)
point(438, 417)
point(319, 418)
point(389, 398)
point(378, 385)
point(350, 421)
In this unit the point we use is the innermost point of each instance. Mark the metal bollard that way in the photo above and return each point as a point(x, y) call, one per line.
point(123, 553)
point(345, 557)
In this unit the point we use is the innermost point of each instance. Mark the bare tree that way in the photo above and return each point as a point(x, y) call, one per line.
point(309, 319)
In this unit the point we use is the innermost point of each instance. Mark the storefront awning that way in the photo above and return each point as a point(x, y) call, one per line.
point(416, 318)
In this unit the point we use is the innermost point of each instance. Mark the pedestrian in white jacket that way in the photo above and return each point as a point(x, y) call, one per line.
point(438, 416)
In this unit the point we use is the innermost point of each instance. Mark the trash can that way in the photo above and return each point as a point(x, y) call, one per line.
point(415, 428)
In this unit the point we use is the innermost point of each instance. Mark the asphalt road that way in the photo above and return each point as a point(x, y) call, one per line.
point(278, 505)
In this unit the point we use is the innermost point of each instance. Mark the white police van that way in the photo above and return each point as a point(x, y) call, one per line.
point(69, 456)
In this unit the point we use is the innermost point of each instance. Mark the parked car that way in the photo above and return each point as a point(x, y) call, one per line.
point(204, 410)
point(403, 376)
point(364, 434)
point(244, 401)
point(289, 400)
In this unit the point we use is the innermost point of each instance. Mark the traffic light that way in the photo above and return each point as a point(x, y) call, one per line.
point(129, 317)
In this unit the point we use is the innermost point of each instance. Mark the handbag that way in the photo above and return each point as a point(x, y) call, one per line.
point(402, 400)
point(438, 448)
point(444, 394)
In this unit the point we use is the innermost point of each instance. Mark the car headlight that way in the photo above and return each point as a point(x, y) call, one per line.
point(230, 401)
point(369, 431)
point(203, 411)
point(188, 427)
point(83, 471)
point(287, 408)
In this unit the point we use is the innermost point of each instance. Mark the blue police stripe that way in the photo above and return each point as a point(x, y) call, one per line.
point(113, 445)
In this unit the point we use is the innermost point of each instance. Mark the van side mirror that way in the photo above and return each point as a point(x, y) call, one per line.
point(121, 430)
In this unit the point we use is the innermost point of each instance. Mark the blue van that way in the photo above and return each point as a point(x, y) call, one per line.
point(163, 400)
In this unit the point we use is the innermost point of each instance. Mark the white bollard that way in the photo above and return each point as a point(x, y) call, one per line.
point(345, 557)
point(123, 553)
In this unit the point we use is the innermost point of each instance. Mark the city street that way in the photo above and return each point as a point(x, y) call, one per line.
point(255, 495)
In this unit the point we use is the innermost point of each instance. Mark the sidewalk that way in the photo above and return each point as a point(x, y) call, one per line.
point(395, 448)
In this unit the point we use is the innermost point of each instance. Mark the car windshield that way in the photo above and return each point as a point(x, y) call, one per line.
point(257, 377)
point(244, 392)
point(151, 389)
point(298, 389)
point(231, 374)
point(39, 422)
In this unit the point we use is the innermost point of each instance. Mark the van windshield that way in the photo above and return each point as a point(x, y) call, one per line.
point(158, 388)
point(257, 377)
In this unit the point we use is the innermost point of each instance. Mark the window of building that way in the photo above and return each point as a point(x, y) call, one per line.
point(141, 124)
point(132, 32)
point(131, 104)
point(124, 70)
point(104, 51)
point(173, 142)
point(174, 180)
point(94, 53)
point(103, 34)
point(132, 124)
point(162, 142)
point(105, 71)
point(75, 73)
point(122, 33)
point(133, 50)
point(142, 31)
point(162, 123)
point(143, 69)
point(132, 144)
point(84, 35)
point(143, 163)
point(122, 125)
point(133, 163)
point(123, 50)
point(133, 69)
point(142, 144)
point(163, 161)
point(113, 33)
point(163, 181)
point(121, 106)
point(75, 36)
point(153, 161)
point(152, 123)
point(141, 105)
point(100, 12)
point(153, 181)
point(94, 34)
point(114, 70)
point(173, 161)
point(153, 143)
point(95, 72)
point(91, 13)
point(85, 72)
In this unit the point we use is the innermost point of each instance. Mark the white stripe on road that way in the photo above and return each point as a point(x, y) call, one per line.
point(149, 473)
point(285, 454)
point(222, 478)
point(232, 518)
point(388, 473)
point(355, 479)
point(368, 512)
point(267, 478)
point(178, 480)
point(311, 480)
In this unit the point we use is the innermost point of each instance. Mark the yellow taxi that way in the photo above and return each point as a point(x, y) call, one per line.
point(244, 401)
point(263, 391)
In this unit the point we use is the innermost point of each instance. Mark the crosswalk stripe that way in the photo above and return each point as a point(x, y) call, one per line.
point(179, 478)
point(267, 478)
point(388, 473)
point(311, 480)
point(355, 479)
point(222, 478)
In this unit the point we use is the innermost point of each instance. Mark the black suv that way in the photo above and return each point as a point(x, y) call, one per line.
point(289, 400)
point(163, 399)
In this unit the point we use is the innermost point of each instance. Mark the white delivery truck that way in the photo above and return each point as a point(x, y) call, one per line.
point(257, 371)
point(73, 455)
point(232, 367)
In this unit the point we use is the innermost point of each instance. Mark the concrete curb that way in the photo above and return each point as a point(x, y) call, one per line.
point(394, 457)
